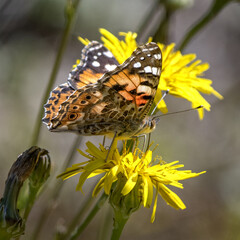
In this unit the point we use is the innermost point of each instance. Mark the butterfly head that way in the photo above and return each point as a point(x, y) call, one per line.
point(147, 126)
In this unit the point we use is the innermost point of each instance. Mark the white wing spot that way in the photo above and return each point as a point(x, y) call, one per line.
point(108, 54)
point(142, 58)
point(148, 69)
point(137, 65)
point(99, 53)
point(154, 70)
point(96, 64)
point(95, 57)
point(110, 67)
point(146, 89)
point(149, 54)
point(157, 56)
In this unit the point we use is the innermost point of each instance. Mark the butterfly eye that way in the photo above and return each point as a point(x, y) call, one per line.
point(72, 116)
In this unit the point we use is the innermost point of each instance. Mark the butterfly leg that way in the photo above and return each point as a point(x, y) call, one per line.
point(112, 147)
point(148, 142)
point(104, 139)
point(144, 141)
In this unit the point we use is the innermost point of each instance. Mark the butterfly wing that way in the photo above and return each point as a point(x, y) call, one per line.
point(118, 101)
point(96, 60)
point(57, 97)
point(137, 78)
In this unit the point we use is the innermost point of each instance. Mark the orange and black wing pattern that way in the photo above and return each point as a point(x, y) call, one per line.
point(118, 101)
point(95, 61)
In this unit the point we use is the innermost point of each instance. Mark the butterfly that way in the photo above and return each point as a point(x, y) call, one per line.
point(103, 97)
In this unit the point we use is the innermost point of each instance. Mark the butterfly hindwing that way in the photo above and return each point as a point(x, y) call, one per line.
point(96, 60)
point(89, 110)
point(57, 97)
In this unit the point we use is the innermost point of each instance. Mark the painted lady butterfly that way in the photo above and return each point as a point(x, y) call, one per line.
point(105, 98)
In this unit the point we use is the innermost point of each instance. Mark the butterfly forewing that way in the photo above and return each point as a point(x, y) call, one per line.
point(96, 60)
point(138, 77)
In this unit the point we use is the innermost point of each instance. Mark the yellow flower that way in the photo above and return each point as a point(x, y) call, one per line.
point(133, 170)
point(181, 74)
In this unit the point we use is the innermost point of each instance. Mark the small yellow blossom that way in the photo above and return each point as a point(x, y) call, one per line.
point(133, 169)
point(181, 74)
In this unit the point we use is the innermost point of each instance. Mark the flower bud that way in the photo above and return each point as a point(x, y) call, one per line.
point(11, 223)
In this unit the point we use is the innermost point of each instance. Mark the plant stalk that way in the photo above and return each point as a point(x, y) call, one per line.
point(213, 11)
point(90, 216)
point(71, 9)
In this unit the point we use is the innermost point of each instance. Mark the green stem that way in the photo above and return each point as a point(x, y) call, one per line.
point(142, 30)
point(161, 35)
point(71, 9)
point(119, 223)
point(56, 191)
point(90, 216)
point(215, 8)
point(88, 202)
point(106, 224)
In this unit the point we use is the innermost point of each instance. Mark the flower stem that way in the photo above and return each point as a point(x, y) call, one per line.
point(142, 30)
point(90, 216)
point(56, 191)
point(106, 224)
point(215, 8)
point(78, 217)
point(161, 35)
point(71, 8)
point(119, 223)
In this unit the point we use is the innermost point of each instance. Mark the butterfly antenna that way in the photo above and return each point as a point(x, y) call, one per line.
point(163, 96)
point(182, 111)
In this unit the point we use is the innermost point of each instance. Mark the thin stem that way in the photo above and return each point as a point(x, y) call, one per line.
point(78, 217)
point(215, 8)
point(106, 224)
point(142, 30)
point(119, 223)
point(161, 35)
point(71, 9)
point(56, 191)
point(90, 216)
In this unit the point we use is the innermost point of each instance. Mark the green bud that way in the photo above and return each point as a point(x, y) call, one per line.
point(124, 205)
point(11, 223)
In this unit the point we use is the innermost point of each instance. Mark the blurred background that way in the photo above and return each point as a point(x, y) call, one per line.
point(30, 33)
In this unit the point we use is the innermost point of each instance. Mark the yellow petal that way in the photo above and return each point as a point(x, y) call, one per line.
point(98, 187)
point(170, 197)
point(147, 191)
point(111, 176)
point(130, 184)
point(154, 207)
